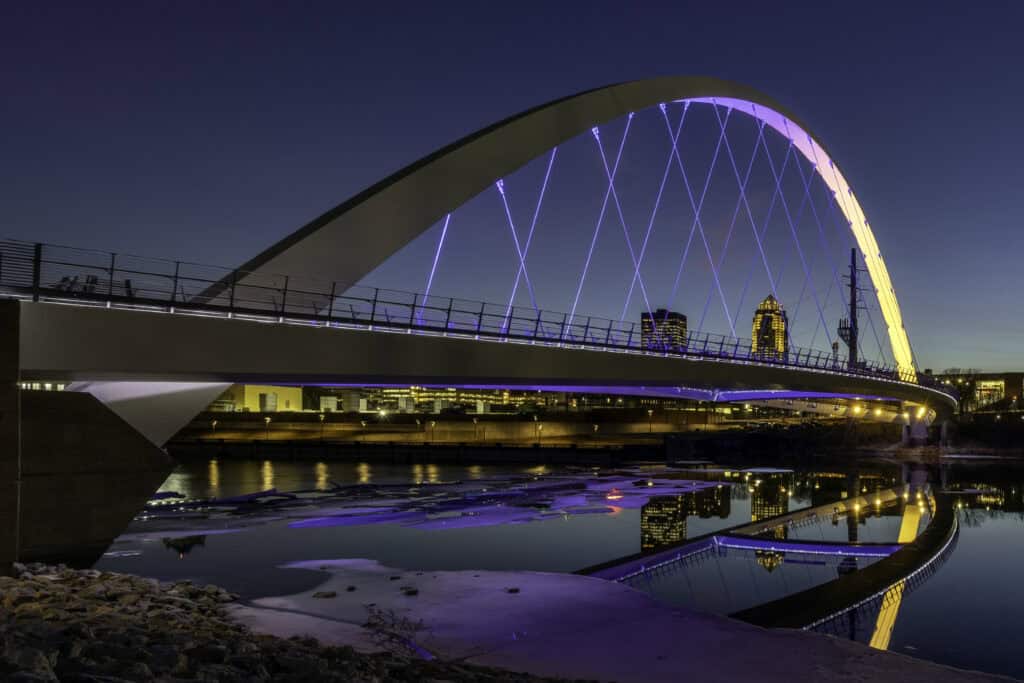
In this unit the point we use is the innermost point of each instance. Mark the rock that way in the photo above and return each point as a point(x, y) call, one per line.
point(208, 653)
point(325, 594)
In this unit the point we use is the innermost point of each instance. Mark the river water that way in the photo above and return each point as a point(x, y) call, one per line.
point(962, 615)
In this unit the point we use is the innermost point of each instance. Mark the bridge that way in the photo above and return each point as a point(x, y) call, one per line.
point(153, 341)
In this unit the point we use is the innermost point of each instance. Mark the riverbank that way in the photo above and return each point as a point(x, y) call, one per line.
point(566, 625)
point(58, 624)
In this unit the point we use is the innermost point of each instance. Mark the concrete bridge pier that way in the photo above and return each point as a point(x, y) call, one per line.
point(73, 474)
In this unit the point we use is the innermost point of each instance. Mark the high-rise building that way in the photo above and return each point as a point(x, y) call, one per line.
point(770, 336)
point(663, 330)
point(663, 521)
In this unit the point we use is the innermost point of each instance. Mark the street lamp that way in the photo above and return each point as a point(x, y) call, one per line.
point(322, 417)
point(650, 420)
point(266, 422)
point(433, 430)
point(475, 421)
point(213, 426)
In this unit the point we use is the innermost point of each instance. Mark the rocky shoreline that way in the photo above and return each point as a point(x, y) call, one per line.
point(60, 624)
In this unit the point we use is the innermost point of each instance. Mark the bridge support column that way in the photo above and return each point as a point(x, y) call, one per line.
point(10, 438)
point(72, 473)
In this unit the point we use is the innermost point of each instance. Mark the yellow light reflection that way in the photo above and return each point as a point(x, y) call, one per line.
point(475, 471)
point(887, 617)
point(322, 477)
point(268, 475)
point(363, 472)
point(909, 525)
point(213, 474)
point(433, 474)
point(417, 473)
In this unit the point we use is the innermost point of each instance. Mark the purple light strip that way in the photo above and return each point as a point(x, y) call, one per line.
point(622, 220)
point(500, 184)
point(437, 257)
point(529, 236)
point(697, 207)
point(654, 211)
point(732, 223)
point(600, 220)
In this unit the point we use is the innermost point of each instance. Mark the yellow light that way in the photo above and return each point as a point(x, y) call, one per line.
point(878, 411)
point(920, 412)
point(878, 501)
point(856, 507)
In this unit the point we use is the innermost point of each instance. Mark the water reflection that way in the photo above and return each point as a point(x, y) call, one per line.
point(213, 474)
point(322, 477)
point(663, 518)
point(363, 472)
point(268, 475)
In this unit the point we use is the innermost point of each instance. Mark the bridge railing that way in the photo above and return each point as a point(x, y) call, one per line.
point(48, 273)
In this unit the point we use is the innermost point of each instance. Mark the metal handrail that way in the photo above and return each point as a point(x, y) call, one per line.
point(49, 272)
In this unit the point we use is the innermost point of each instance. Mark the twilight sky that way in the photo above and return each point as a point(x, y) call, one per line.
point(207, 131)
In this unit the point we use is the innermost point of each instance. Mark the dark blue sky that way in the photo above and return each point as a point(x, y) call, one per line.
point(206, 131)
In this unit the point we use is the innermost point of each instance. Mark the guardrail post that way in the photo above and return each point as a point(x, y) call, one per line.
point(448, 315)
point(586, 329)
point(330, 308)
point(110, 279)
point(480, 318)
point(174, 285)
point(608, 335)
point(373, 306)
point(37, 269)
point(412, 313)
point(536, 326)
point(284, 298)
point(561, 329)
point(629, 339)
point(231, 298)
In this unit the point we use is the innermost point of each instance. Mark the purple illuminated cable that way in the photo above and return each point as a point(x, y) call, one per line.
point(600, 220)
point(746, 204)
point(732, 223)
point(500, 184)
point(654, 212)
point(529, 237)
point(697, 206)
point(622, 220)
point(437, 257)
point(796, 241)
point(763, 233)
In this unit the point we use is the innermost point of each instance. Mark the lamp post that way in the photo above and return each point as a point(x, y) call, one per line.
point(322, 418)
point(650, 420)
point(433, 430)
point(213, 426)
point(266, 423)
point(475, 436)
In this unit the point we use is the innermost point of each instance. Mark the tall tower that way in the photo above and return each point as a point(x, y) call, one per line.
point(769, 335)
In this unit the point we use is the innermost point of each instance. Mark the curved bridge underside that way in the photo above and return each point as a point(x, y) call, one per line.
point(134, 346)
point(349, 241)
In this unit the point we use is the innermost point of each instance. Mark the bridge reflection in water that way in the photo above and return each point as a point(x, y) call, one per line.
point(782, 556)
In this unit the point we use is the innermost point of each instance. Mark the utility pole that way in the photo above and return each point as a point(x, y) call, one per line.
point(853, 308)
point(848, 326)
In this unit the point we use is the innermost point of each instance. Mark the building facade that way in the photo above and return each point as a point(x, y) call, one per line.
point(770, 334)
point(663, 330)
